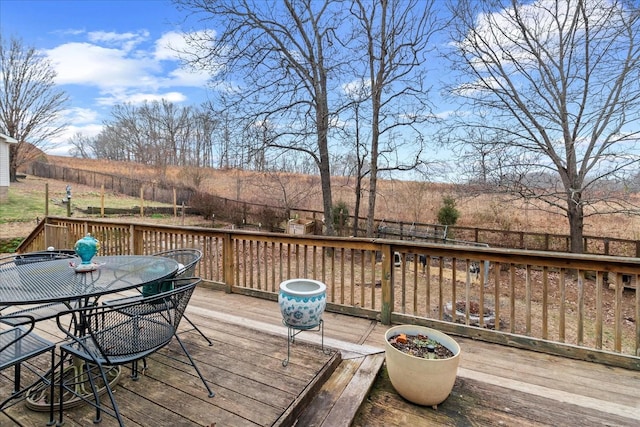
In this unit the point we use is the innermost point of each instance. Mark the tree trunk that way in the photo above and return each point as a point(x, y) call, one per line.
point(356, 209)
point(327, 203)
point(373, 182)
point(322, 118)
point(13, 162)
point(575, 215)
point(375, 153)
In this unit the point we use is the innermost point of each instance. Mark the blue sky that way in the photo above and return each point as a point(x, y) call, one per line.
point(105, 52)
point(109, 52)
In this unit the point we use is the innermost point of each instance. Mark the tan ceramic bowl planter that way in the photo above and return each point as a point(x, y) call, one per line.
point(422, 381)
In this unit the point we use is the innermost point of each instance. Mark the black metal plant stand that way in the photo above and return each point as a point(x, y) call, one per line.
point(292, 331)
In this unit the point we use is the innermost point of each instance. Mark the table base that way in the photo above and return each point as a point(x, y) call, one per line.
point(38, 396)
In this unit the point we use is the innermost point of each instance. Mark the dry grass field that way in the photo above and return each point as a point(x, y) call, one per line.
point(397, 201)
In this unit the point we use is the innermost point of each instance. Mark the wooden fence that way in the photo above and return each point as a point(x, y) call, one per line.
point(580, 306)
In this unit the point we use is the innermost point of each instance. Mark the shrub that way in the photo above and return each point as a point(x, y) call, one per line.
point(340, 216)
point(10, 245)
point(270, 218)
point(448, 214)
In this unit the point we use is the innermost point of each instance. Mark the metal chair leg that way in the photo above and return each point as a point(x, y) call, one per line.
point(193, 363)
point(198, 329)
point(51, 380)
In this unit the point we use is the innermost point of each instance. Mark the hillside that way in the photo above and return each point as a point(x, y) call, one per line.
point(397, 200)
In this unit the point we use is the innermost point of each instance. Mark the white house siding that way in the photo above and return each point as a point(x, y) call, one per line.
point(4, 165)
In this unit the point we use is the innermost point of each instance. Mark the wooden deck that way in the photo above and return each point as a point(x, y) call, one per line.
point(496, 385)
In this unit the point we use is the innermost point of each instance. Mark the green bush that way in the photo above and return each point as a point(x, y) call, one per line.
point(340, 215)
point(10, 245)
point(448, 214)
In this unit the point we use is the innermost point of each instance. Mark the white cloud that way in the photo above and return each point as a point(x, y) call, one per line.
point(113, 37)
point(139, 98)
point(113, 69)
point(69, 32)
point(80, 115)
point(89, 64)
point(185, 77)
point(60, 145)
point(174, 45)
point(109, 68)
point(169, 46)
point(126, 41)
point(357, 89)
point(169, 96)
point(445, 114)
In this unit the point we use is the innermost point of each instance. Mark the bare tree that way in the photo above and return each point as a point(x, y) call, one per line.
point(223, 134)
point(286, 189)
point(83, 146)
point(555, 83)
point(271, 63)
point(30, 104)
point(158, 133)
point(130, 131)
point(109, 145)
point(478, 159)
point(395, 38)
point(205, 126)
point(356, 137)
point(255, 140)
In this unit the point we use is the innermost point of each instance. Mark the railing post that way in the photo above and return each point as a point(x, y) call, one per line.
point(227, 262)
point(136, 241)
point(387, 284)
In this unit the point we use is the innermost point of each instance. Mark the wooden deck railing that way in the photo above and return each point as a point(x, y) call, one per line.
point(597, 245)
point(580, 306)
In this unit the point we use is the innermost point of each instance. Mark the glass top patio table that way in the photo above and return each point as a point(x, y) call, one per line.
point(56, 280)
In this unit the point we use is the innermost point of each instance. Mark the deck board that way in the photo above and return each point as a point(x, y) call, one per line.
point(496, 385)
point(243, 367)
point(476, 403)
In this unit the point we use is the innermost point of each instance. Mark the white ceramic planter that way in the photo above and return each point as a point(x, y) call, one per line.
point(422, 381)
point(302, 302)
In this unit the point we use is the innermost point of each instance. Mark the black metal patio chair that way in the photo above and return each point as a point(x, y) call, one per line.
point(187, 260)
point(17, 345)
point(119, 334)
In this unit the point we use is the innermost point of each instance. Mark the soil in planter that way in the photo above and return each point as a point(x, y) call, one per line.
point(420, 346)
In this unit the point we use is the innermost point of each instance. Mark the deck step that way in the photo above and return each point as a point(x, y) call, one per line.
point(338, 400)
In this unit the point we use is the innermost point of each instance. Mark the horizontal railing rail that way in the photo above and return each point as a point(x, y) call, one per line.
point(580, 306)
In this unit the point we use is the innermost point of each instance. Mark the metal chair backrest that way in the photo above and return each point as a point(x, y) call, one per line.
point(121, 333)
point(188, 258)
point(38, 256)
point(12, 351)
point(29, 257)
point(19, 344)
